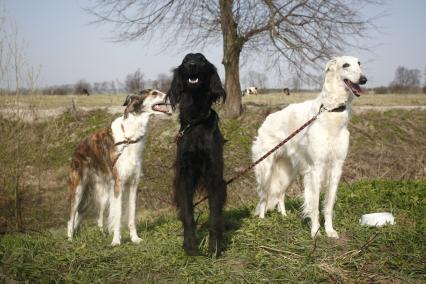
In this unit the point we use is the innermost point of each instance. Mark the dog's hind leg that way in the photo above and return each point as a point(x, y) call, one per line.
point(133, 189)
point(77, 185)
point(75, 217)
point(330, 199)
point(263, 177)
point(281, 179)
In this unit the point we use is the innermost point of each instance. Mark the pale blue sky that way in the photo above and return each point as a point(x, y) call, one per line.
point(62, 41)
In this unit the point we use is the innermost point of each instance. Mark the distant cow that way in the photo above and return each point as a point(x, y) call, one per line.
point(286, 91)
point(250, 91)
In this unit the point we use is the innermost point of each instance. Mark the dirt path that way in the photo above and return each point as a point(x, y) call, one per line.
point(42, 114)
point(360, 109)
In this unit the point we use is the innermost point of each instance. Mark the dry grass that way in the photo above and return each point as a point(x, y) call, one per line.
point(364, 100)
point(43, 102)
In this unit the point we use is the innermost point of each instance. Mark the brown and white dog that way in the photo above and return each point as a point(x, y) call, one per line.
point(109, 162)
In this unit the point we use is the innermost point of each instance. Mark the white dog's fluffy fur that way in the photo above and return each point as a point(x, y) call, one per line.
point(317, 153)
point(106, 171)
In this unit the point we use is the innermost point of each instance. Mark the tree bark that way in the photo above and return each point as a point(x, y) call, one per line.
point(232, 46)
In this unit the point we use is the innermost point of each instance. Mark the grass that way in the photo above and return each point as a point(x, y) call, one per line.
point(384, 146)
point(37, 156)
point(274, 99)
point(275, 249)
point(389, 145)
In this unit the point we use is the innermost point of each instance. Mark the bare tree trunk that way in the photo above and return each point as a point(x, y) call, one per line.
point(232, 46)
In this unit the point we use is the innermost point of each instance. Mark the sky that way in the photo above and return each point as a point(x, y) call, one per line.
point(62, 41)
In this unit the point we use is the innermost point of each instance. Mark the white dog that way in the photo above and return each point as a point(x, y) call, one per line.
point(108, 163)
point(317, 153)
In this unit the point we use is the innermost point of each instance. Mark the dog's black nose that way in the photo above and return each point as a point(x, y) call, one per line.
point(192, 66)
point(362, 80)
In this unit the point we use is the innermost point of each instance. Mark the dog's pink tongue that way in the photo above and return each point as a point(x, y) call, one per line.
point(162, 108)
point(357, 88)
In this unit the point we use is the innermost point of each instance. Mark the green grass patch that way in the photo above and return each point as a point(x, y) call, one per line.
point(389, 145)
point(274, 249)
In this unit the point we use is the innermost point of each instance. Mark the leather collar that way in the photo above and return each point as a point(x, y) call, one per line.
point(341, 108)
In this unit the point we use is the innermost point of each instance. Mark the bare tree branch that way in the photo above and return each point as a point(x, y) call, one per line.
point(301, 33)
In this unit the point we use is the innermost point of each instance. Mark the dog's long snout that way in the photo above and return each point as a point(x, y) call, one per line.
point(362, 80)
point(192, 66)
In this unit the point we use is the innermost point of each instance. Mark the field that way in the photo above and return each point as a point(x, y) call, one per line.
point(385, 171)
point(274, 99)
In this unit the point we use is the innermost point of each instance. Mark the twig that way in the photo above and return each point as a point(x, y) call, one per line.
point(368, 242)
point(315, 245)
point(353, 253)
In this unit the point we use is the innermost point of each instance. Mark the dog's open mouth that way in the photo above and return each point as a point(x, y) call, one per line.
point(163, 108)
point(355, 88)
point(193, 80)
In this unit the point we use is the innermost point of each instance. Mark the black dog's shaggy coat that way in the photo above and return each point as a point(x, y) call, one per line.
point(199, 162)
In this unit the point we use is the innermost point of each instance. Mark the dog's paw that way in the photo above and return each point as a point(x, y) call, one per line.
point(315, 233)
point(215, 246)
point(191, 251)
point(115, 243)
point(332, 234)
point(136, 240)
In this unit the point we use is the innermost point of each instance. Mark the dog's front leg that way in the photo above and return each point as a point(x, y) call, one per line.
point(185, 187)
point(132, 212)
point(330, 199)
point(217, 197)
point(312, 185)
point(115, 210)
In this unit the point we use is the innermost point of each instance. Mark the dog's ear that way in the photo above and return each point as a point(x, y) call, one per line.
point(217, 91)
point(331, 65)
point(128, 99)
point(176, 89)
point(133, 103)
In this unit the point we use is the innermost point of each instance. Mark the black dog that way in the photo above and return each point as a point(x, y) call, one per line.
point(199, 162)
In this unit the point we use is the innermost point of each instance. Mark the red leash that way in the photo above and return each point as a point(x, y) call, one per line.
point(243, 172)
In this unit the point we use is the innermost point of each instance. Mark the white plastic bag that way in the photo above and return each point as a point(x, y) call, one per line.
point(377, 219)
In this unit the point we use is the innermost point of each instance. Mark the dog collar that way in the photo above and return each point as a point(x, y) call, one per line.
point(127, 140)
point(191, 125)
point(340, 108)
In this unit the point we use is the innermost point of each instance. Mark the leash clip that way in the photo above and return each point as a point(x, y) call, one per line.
point(178, 137)
point(181, 133)
point(321, 110)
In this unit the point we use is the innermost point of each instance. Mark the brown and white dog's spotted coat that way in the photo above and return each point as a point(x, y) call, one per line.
point(109, 162)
